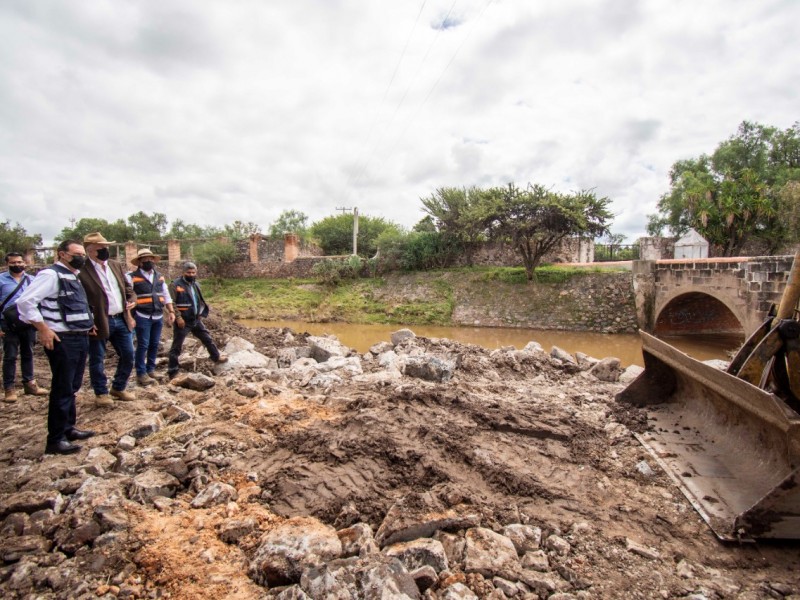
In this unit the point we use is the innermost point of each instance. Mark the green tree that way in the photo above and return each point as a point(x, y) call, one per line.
point(217, 255)
point(734, 194)
point(239, 230)
point(536, 219)
point(457, 214)
point(335, 234)
point(289, 221)
point(148, 228)
point(117, 231)
point(16, 239)
point(179, 230)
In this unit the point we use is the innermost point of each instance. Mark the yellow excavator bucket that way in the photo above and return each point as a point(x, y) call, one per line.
point(730, 440)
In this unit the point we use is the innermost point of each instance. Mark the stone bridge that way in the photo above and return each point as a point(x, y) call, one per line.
point(710, 295)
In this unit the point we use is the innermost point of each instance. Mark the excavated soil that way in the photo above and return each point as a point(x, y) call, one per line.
point(518, 436)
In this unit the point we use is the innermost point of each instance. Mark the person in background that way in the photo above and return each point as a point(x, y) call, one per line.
point(152, 302)
point(191, 310)
point(111, 298)
point(55, 303)
point(16, 343)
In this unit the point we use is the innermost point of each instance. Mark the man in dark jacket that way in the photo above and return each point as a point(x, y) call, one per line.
point(190, 309)
point(111, 298)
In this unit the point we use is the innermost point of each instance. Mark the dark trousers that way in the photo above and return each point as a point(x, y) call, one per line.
point(198, 330)
point(148, 335)
point(67, 363)
point(16, 345)
point(121, 339)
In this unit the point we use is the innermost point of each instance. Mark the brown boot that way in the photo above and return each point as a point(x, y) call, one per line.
point(10, 395)
point(103, 400)
point(122, 395)
point(33, 389)
point(144, 380)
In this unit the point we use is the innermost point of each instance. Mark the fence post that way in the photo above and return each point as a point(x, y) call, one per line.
point(291, 247)
point(255, 239)
point(131, 248)
point(173, 252)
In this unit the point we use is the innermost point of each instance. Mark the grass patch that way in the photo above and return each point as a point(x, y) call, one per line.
point(265, 298)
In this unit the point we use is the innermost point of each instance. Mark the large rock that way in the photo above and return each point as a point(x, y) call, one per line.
point(148, 425)
point(607, 369)
point(524, 537)
point(401, 335)
point(420, 515)
point(243, 355)
point(490, 554)
point(429, 368)
point(290, 547)
point(419, 553)
point(151, 484)
point(30, 502)
point(214, 493)
point(194, 381)
point(357, 540)
point(323, 348)
point(563, 355)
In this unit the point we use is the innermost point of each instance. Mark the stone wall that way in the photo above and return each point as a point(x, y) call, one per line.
point(498, 254)
point(601, 302)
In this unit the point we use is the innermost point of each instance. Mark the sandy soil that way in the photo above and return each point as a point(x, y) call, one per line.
point(518, 437)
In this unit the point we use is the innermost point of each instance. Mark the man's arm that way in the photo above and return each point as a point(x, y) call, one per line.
point(28, 305)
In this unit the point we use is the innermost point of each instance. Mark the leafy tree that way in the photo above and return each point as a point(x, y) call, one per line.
point(117, 231)
point(216, 255)
point(734, 194)
point(148, 228)
point(335, 234)
point(16, 239)
point(456, 214)
point(190, 231)
point(426, 224)
point(290, 221)
point(239, 230)
point(536, 219)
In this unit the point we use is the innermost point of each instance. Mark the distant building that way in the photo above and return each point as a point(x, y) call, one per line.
point(691, 245)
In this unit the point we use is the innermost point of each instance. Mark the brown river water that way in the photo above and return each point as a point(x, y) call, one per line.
point(626, 347)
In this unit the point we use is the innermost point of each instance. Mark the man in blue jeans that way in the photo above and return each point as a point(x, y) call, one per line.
point(111, 299)
point(16, 344)
point(153, 305)
point(55, 304)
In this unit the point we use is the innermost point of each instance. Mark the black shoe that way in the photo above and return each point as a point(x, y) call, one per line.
point(61, 447)
point(79, 434)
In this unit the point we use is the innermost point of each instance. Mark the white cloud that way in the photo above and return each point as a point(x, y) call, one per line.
point(211, 111)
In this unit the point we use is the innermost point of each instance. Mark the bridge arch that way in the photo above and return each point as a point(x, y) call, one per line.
point(688, 311)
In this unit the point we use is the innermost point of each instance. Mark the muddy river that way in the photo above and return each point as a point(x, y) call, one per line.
point(626, 347)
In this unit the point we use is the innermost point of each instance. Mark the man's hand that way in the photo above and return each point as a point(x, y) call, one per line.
point(179, 322)
point(130, 305)
point(170, 318)
point(47, 337)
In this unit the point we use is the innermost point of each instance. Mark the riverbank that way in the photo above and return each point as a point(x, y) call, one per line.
point(563, 298)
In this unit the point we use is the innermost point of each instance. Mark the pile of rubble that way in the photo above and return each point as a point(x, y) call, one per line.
point(423, 468)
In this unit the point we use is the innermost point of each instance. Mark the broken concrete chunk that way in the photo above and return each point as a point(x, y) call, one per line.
point(213, 494)
point(429, 368)
point(607, 369)
point(401, 335)
point(287, 549)
point(323, 348)
point(30, 501)
point(194, 381)
point(419, 553)
point(149, 425)
point(151, 484)
point(524, 537)
point(420, 515)
point(490, 554)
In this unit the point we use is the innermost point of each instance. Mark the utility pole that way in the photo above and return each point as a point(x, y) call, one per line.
point(355, 225)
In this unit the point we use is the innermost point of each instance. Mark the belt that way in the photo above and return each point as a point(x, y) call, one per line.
point(116, 316)
point(61, 333)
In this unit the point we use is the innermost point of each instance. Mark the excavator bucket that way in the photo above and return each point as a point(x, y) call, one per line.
point(730, 440)
point(732, 448)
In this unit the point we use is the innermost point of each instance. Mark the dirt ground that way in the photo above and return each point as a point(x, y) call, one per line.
point(515, 435)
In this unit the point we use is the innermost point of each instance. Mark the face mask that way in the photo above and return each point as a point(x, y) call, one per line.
point(147, 265)
point(16, 268)
point(102, 254)
point(189, 279)
point(77, 262)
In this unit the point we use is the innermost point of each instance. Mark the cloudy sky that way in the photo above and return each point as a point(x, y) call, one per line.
point(217, 110)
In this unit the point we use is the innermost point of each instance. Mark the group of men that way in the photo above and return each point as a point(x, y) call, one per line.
point(79, 305)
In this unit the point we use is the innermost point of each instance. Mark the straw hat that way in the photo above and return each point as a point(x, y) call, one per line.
point(142, 254)
point(96, 238)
